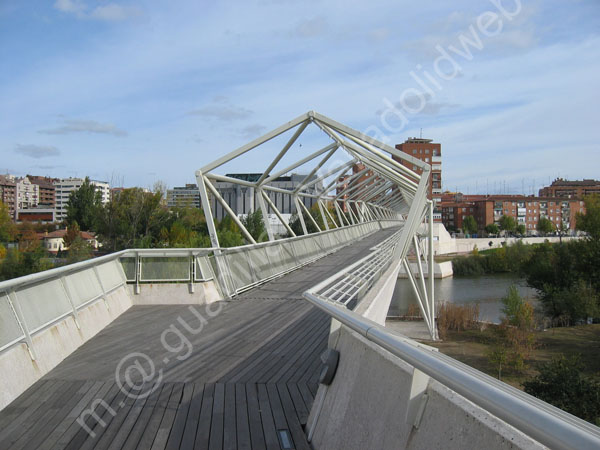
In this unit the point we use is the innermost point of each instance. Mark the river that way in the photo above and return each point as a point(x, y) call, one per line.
point(487, 290)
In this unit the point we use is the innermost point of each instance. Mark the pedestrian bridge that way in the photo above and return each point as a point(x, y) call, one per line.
point(278, 344)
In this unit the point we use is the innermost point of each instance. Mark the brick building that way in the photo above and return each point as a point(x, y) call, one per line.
point(430, 152)
point(570, 189)
point(8, 194)
point(47, 191)
point(525, 210)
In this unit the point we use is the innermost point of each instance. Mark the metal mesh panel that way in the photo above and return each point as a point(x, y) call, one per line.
point(173, 268)
point(83, 286)
point(43, 303)
point(10, 330)
point(286, 256)
point(302, 245)
point(260, 263)
point(240, 270)
point(111, 274)
point(275, 255)
point(204, 270)
point(312, 248)
point(128, 264)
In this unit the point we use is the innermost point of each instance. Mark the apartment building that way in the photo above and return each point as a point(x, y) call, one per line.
point(570, 189)
point(8, 193)
point(430, 152)
point(65, 186)
point(526, 210)
point(47, 191)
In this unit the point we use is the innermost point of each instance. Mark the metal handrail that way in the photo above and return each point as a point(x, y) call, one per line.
point(539, 420)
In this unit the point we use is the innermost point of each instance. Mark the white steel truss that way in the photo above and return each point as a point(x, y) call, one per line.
point(377, 183)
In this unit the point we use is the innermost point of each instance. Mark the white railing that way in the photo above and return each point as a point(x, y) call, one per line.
point(349, 285)
point(35, 302)
point(539, 420)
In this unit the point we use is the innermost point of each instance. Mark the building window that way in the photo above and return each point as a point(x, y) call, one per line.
point(415, 151)
point(427, 151)
point(426, 159)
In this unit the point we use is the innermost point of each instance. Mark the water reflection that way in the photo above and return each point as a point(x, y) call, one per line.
point(487, 290)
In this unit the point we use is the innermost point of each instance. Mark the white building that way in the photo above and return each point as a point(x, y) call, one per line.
point(65, 186)
point(27, 193)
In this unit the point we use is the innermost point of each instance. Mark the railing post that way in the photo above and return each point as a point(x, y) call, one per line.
point(99, 278)
point(70, 298)
point(13, 300)
point(192, 272)
point(138, 273)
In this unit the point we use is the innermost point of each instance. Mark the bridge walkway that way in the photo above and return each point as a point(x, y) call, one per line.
point(235, 374)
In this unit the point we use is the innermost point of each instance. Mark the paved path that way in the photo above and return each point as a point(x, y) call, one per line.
point(236, 374)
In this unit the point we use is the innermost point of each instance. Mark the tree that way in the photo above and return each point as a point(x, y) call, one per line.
point(7, 226)
point(83, 205)
point(590, 220)
point(492, 228)
point(255, 225)
point(545, 225)
point(72, 233)
point(470, 225)
point(562, 384)
point(507, 223)
point(133, 218)
point(79, 250)
point(515, 339)
point(520, 229)
point(498, 356)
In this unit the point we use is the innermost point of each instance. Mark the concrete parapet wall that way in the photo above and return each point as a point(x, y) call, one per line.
point(55, 343)
point(366, 407)
point(175, 294)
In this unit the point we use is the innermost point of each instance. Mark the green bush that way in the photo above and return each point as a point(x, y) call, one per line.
point(562, 384)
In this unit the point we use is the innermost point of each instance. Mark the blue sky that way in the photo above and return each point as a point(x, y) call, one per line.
point(137, 92)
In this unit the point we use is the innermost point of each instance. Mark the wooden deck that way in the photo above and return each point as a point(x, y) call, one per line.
point(238, 374)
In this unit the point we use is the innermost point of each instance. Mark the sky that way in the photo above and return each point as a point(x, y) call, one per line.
point(139, 92)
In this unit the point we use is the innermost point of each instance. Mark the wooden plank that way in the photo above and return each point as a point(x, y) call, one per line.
point(143, 417)
point(229, 419)
point(307, 395)
point(162, 435)
point(203, 432)
point(136, 408)
point(299, 405)
point(179, 424)
point(32, 416)
point(218, 412)
point(269, 430)
point(52, 417)
point(241, 418)
point(277, 410)
point(60, 429)
point(155, 419)
point(257, 437)
point(192, 420)
point(103, 411)
point(77, 412)
point(22, 402)
point(292, 418)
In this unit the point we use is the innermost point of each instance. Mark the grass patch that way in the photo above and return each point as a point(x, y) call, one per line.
point(472, 346)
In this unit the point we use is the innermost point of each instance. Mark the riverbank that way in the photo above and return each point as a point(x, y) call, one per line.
point(472, 347)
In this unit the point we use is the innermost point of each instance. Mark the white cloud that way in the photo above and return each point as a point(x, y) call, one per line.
point(108, 12)
point(70, 6)
point(114, 12)
point(85, 126)
point(222, 109)
point(251, 131)
point(37, 151)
